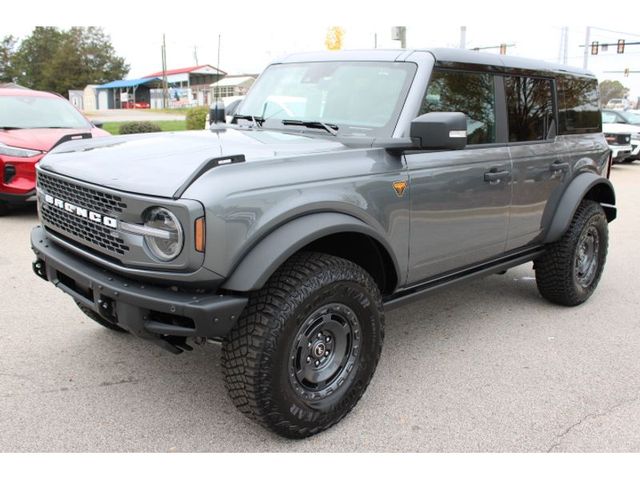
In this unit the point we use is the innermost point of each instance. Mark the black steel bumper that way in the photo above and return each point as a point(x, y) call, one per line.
point(159, 314)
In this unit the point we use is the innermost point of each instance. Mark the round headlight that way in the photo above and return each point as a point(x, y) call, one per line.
point(167, 238)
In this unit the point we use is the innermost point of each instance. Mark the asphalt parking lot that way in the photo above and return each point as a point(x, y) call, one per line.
point(485, 366)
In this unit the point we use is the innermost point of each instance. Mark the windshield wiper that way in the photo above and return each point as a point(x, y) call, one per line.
point(332, 129)
point(10, 128)
point(257, 121)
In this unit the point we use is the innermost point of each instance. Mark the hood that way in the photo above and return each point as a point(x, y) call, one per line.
point(159, 164)
point(41, 138)
point(620, 128)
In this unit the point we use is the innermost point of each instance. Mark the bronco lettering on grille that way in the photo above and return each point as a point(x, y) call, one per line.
point(81, 212)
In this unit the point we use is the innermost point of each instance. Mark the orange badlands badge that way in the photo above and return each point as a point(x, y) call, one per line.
point(400, 187)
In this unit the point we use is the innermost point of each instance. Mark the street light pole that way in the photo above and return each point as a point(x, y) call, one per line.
point(587, 41)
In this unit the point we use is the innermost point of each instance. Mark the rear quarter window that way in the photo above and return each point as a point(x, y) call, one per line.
point(579, 105)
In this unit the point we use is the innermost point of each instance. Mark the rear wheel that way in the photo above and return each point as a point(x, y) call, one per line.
point(570, 269)
point(307, 345)
point(4, 208)
point(99, 319)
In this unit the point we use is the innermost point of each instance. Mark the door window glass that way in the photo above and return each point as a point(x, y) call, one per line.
point(470, 93)
point(529, 109)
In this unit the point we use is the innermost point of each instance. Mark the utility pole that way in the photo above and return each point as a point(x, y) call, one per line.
point(587, 43)
point(165, 86)
point(217, 95)
point(463, 37)
point(563, 53)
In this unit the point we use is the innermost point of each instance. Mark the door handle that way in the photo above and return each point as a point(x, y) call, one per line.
point(559, 167)
point(494, 175)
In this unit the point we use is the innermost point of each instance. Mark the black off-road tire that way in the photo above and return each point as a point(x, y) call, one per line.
point(98, 319)
point(557, 272)
point(4, 208)
point(261, 353)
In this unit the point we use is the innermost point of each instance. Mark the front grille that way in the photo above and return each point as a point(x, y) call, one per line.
point(100, 202)
point(84, 229)
point(77, 227)
point(613, 139)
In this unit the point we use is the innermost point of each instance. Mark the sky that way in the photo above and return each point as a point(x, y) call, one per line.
point(254, 33)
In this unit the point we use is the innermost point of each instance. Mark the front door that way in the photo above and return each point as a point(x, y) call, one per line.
point(459, 199)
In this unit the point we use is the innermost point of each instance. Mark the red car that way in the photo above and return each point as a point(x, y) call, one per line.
point(31, 124)
point(131, 104)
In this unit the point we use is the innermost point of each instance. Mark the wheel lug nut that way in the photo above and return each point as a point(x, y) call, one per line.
point(319, 335)
point(326, 354)
point(328, 339)
point(317, 362)
point(308, 359)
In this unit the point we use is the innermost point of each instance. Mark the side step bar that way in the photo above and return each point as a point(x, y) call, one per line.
point(412, 293)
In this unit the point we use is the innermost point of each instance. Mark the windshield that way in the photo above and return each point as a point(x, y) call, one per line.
point(39, 112)
point(632, 118)
point(359, 98)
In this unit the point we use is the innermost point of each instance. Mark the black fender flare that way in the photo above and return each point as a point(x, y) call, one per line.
point(274, 249)
point(579, 188)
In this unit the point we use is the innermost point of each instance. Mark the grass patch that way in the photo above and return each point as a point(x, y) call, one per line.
point(165, 125)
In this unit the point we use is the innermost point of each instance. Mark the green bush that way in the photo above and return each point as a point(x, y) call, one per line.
point(138, 127)
point(196, 118)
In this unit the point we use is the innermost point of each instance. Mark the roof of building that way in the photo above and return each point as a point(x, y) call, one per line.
point(232, 81)
point(12, 85)
point(178, 71)
point(136, 82)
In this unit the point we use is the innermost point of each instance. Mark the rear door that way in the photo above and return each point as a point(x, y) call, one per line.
point(460, 199)
point(540, 163)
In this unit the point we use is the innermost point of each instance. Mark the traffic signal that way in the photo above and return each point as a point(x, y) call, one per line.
point(594, 48)
point(620, 46)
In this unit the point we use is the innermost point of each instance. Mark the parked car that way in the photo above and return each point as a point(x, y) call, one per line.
point(380, 176)
point(131, 104)
point(617, 104)
point(31, 124)
point(622, 130)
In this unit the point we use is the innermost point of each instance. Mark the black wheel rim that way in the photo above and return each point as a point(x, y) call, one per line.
point(586, 258)
point(324, 352)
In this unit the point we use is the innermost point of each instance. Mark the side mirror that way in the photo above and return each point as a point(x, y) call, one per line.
point(97, 124)
point(440, 131)
point(216, 113)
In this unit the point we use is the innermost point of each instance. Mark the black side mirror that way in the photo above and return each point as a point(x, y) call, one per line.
point(216, 113)
point(97, 124)
point(440, 131)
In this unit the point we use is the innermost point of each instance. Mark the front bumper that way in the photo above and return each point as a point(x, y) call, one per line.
point(620, 153)
point(163, 315)
point(19, 199)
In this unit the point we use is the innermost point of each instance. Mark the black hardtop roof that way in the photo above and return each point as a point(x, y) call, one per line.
point(442, 56)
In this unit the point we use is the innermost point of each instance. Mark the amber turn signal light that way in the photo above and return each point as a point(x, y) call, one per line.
point(200, 234)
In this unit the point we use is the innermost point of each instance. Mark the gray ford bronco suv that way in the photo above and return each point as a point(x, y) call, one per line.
point(346, 184)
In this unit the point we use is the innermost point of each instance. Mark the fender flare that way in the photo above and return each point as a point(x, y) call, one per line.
point(274, 249)
point(577, 190)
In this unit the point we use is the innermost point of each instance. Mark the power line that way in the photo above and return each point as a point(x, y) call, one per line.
point(615, 31)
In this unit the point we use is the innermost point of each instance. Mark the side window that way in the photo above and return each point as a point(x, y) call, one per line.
point(529, 109)
point(470, 93)
point(579, 108)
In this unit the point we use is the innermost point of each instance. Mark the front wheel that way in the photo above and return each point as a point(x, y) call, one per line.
point(4, 208)
point(307, 345)
point(570, 269)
